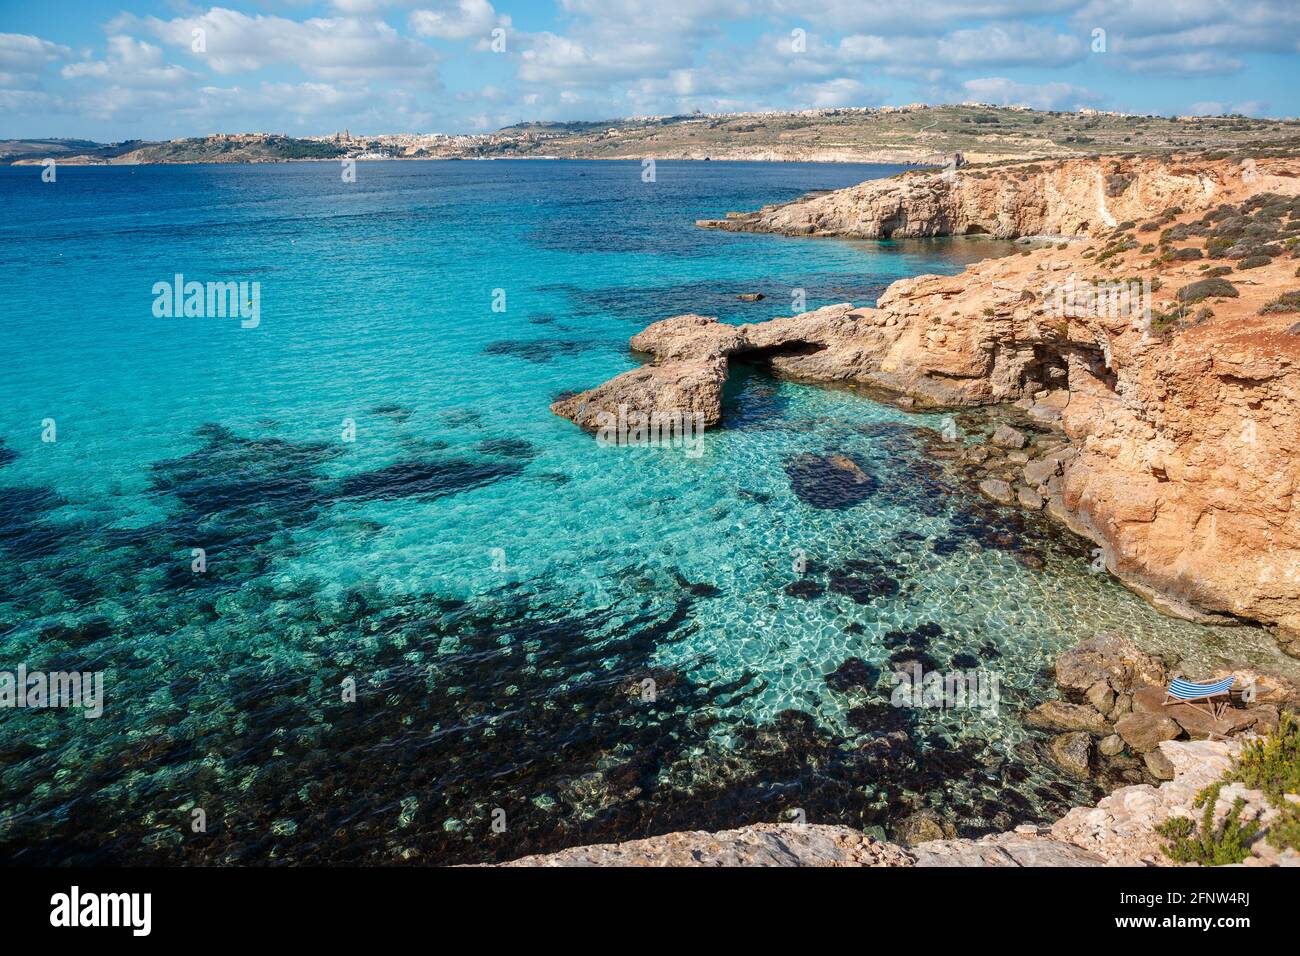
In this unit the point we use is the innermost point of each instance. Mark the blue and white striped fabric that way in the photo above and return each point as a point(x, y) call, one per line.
point(1185, 689)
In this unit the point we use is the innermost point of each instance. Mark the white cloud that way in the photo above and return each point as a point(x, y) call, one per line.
point(839, 92)
point(457, 20)
point(1000, 91)
point(1203, 62)
point(1011, 45)
point(892, 16)
point(337, 48)
point(130, 62)
point(1215, 108)
point(1192, 36)
point(23, 58)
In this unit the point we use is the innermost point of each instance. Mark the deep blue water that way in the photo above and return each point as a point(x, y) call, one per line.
point(497, 586)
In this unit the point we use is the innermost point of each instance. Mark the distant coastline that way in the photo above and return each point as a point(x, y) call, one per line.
point(912, 135)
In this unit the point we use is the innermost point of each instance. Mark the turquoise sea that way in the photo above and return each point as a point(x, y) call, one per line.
point(551, 642)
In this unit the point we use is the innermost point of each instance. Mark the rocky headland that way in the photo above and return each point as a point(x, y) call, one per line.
point(1149, 339)
point(1142, 350)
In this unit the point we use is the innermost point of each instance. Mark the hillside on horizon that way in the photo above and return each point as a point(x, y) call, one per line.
point(917, 134)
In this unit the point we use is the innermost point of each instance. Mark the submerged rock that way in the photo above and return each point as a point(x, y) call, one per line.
point(829, 481)
point(921, 827)
point(1004, 436)
point(1072, 752)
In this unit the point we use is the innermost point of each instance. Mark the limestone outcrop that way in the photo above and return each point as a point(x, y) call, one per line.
point(1180, 398)
point(1061, 198)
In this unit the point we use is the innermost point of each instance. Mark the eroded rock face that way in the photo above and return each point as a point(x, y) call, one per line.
point(1062, 198)
point(1183, 430)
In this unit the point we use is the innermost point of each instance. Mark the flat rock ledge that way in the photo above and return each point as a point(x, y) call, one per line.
point(763, 844)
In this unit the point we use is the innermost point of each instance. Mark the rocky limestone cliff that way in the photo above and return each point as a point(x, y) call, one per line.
point(1182, 417)
point(1061, 198)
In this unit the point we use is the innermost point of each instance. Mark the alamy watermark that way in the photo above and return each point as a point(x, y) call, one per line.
point(663, 429)
point(41, 689)
point(209, 300)
point(959, 690)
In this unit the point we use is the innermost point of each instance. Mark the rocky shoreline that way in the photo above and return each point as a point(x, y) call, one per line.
point(1110, 725)
point(1164, 434)
point(1169, 424)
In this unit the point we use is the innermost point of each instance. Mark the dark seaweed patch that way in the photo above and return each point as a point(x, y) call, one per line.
point(864, 581)
point(426, 479)
point(853, 673)
point(918, 638)
point(539, 351)
point(699, 590)
point(461, 417)
point(830, 482)
point(804, 589)
point(508, 448)
point(391, 410)
point(23, 525)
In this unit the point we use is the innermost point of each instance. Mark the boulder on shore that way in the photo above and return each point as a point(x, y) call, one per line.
point(1110, 658)
point(1062, 716)
point(1143, 731)
point(1004, 436)
point(997, 489)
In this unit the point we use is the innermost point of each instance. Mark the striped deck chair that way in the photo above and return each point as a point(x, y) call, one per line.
point(1216, 697)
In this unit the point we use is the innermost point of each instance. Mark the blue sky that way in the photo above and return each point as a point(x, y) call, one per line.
point(119, 69)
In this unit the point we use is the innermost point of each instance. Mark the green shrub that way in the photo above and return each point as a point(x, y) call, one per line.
point(1272, 764)
point(1205, 289)
point(1207, 844)
point(1285, 303)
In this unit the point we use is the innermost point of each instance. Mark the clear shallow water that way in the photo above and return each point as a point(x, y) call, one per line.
point(498, 586)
